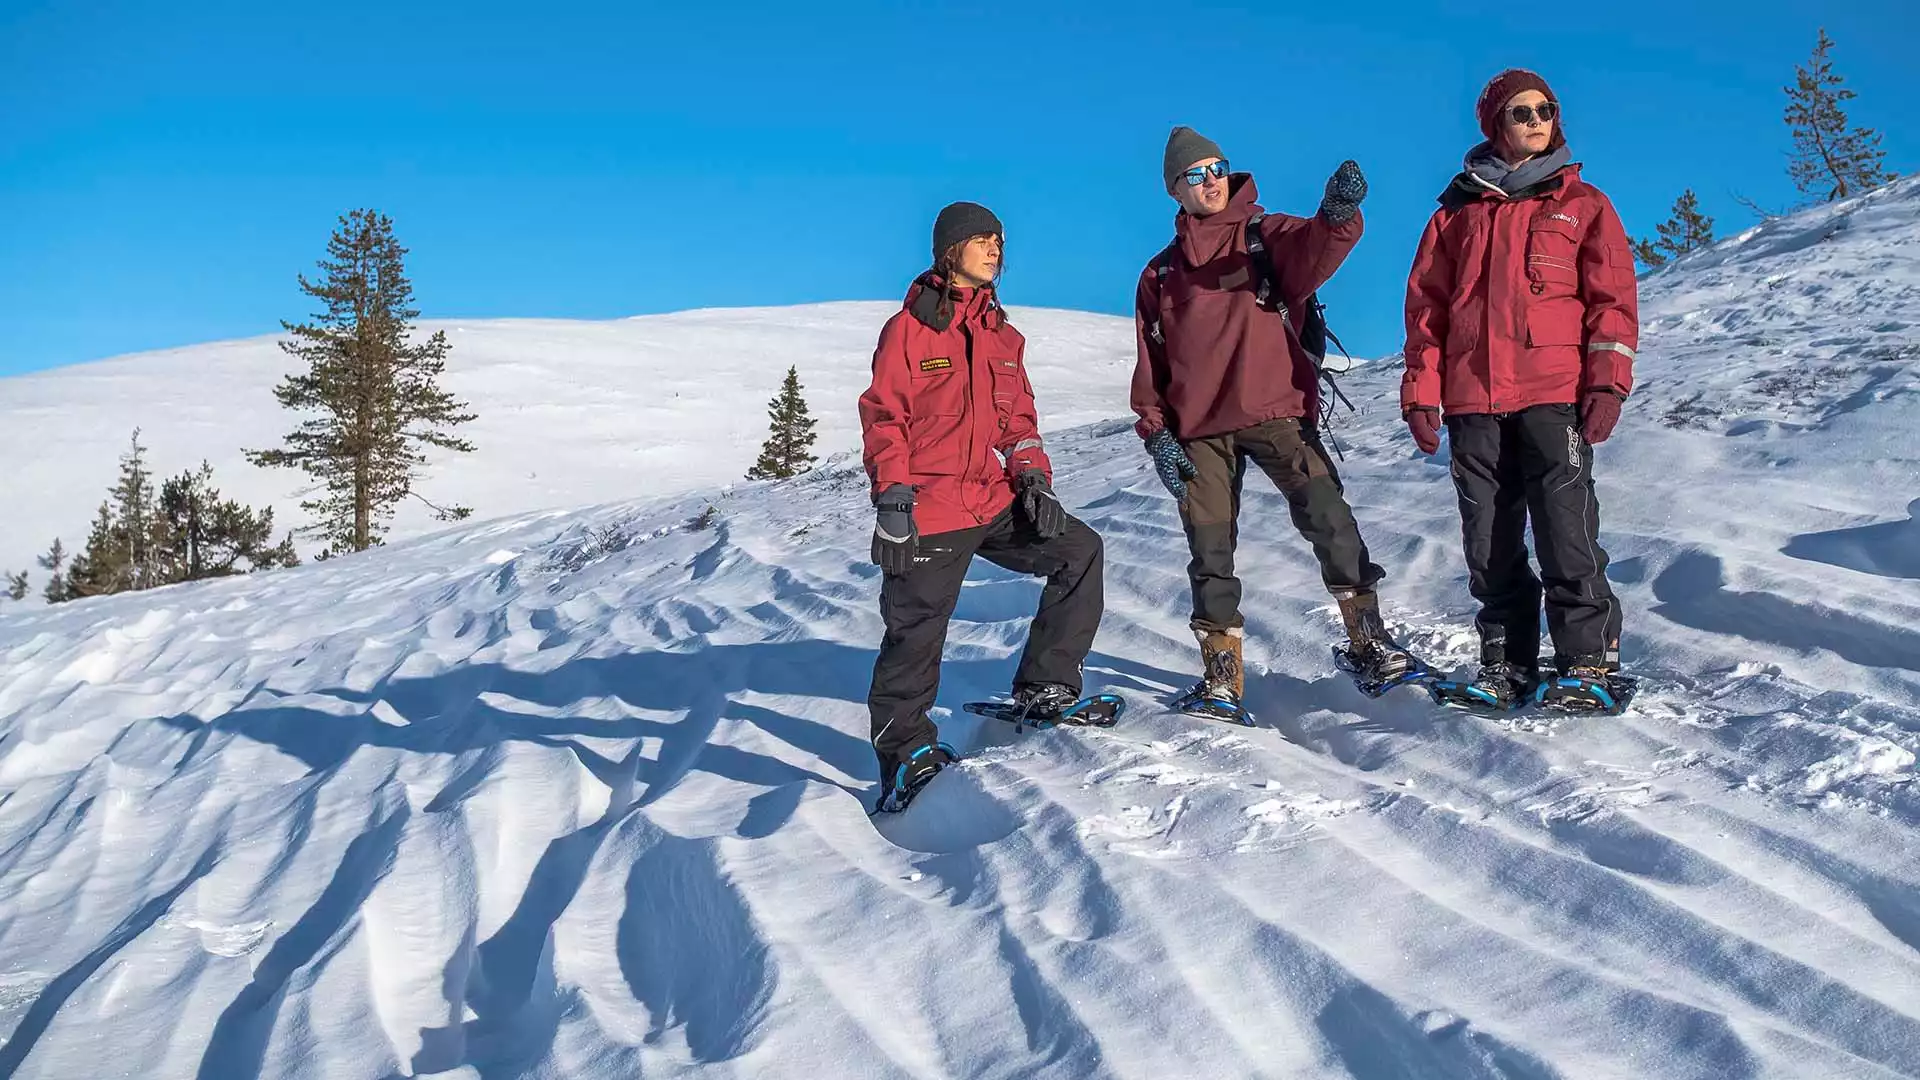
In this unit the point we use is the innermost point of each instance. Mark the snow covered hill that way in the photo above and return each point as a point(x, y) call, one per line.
point(569, 413)
point(582, 793)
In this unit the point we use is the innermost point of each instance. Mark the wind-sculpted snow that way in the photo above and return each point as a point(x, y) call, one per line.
point(583, 794)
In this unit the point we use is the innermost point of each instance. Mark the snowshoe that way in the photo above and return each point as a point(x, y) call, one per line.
point(1040, 711)
point(1370, 656)
point(1587, 690)
point(1210, 702)
point(1380, 667)
point(898, 788)
point(1498, 687)
point(1223, 681)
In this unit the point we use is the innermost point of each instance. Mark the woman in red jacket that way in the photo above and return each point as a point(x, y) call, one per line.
point(1521, 326)
point(958, 468)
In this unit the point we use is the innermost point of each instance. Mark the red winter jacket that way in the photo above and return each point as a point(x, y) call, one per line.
point(1226, 363)
point(1520, 302)
point(950, 410)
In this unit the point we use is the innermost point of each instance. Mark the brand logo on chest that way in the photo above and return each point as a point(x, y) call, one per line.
point(936, 363)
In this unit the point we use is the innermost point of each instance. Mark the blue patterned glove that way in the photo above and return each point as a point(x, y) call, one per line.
point(1171, 462)
point(1346, 190)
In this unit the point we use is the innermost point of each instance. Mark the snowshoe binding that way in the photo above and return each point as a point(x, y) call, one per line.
point(1499, 687)
point(1213, 703)
point(1587, 688)
point(1050, 705)
point(1377, 667)
point(1371, 658)
point(1217, 696)
point(914, 770)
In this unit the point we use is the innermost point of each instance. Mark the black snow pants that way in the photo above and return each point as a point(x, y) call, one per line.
point(916, 606)
point(1534, 464)
point(1293, 457)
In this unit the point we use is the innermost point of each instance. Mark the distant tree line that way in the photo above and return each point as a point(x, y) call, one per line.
point(145, 536)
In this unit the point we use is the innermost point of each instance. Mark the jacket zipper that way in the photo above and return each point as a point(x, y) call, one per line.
point(973, 435)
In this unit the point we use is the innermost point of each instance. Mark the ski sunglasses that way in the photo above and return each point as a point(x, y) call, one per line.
point(1547, 111)
point(1198, 175)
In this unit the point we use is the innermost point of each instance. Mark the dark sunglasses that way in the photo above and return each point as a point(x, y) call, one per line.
point(1198, 174)
point(1547, 111)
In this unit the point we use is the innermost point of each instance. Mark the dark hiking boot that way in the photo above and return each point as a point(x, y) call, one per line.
point(1505, 685)
point(912, 769)
point(1587, 684)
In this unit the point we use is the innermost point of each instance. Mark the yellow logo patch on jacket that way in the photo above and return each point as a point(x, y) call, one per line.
point(935, 363)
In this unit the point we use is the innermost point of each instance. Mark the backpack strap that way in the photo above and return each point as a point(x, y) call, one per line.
point(1268, 293)
point(1162, 265)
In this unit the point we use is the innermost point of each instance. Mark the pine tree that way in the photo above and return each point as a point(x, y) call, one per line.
point(376, 394)
point(138, 535)
point(124, 545)
point(1828, 159)
point(787, 451)
point(101, 567)
point(16, 585)
point(207, 537)
point(1686, 230)
point(54, 562)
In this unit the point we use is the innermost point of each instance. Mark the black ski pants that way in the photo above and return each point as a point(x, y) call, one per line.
point(1292, 456)
point(917, 605)
point(1508, 469)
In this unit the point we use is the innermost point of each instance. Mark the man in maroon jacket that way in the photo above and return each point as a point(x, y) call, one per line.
point(1223, 378)
point(958, 468)
point(1522, 320)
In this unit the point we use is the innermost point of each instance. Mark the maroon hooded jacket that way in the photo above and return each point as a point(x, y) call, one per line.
point(1226, 363)
point(950, 410)
point(1523, 301)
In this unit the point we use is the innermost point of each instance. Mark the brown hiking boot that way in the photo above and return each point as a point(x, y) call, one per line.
point(1220, 660)
point(1373, 651)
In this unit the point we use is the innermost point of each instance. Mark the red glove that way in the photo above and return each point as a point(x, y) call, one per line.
point(1425, 425)
point(1599, 411)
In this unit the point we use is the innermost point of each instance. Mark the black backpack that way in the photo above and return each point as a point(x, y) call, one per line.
point(1310, 333)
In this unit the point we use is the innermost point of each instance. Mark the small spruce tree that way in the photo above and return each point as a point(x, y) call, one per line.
point(123, 548)
point(1686, 230)
point(54, 562)
point(1829, 160)
point(100, 568)
point(16, 585)
point(788, 449)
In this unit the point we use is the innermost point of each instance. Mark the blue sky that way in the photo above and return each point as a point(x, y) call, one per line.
point(167, 170)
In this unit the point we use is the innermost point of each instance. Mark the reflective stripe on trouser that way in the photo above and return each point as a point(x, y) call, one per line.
point(917, 606)
point(1297, 464)
point(1506, 469)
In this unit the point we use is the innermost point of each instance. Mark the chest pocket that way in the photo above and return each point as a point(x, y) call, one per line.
point(1553, 254)
point(938, 400)
point(1009, 384)
point(939, 386)
point(997, 354)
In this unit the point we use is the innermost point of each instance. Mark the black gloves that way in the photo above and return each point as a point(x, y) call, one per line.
point(1039, 503)
point(895, 538)
point(1172, 463)
point(1346, 190)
